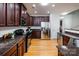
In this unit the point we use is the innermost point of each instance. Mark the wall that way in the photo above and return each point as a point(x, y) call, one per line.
point(67, 22)
point(54, 25)
point(71, 20)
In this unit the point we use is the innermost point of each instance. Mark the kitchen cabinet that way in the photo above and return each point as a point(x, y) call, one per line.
point(62, 39)
point(25, 15)
point(45, 19)
point(36, 33)
point(21, 48)
point(28, 20)
point(36, 20)
point(12, 51)
point(2, 14)
point(17, 14)
point(10, 14)
point(31, 21)
point(17, 49)
point(65, 40)
point(22, 15)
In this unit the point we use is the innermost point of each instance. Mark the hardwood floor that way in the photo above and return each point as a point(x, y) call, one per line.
point(42, 48)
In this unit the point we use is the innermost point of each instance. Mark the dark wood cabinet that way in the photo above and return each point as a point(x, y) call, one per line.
point(12, 51)
point(36, 20)
point(10, 14)
point(21, 48)
point(65, 40)
point(2, 14)
point(27, 20)
point(17, 14)
point(31, 22)
point(62, 39)
point(36, 33)
point(25, 15)
point(17, 49)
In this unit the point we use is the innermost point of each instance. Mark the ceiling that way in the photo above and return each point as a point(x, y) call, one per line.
point(58, 9)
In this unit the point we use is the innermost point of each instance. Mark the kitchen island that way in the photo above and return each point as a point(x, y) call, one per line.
point(13, 47)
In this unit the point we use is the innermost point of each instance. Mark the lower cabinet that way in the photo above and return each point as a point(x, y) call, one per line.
point(12, 51)
point(65, 40)
point(36, 33)
point(21, 47)
point(17, 49)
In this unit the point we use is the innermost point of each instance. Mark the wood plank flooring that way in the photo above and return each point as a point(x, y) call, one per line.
point(42, 48)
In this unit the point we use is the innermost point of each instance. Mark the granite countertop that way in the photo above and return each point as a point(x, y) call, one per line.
point(70, 35)
point(5, 46)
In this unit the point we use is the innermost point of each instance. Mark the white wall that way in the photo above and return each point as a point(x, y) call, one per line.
point(67, 22)
point(71, 20)
point(54, 25)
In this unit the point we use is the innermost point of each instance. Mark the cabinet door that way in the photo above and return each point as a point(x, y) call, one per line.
point(22, 11)
point(2, 14)
point(17, 14)
point(21, 48)
point(12, 51)
point(31, 22)
point(27, 19)
point(10, 14)
point(14, 54)
point(65, 40)
point(36, 21)
point(23, 16)
point(36, 33)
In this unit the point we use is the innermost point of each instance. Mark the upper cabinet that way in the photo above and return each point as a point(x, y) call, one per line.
point(17, 14)
point(14, 14)
point(2, 14)
point(10, 14)
point(25, 17)
point(30, 21)
point(36, 20)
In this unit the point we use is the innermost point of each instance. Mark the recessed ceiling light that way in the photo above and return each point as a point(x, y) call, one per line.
point(53, 5)
point(64, 13)
point(35, 12)
point(44, 3)
point(33, 5)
